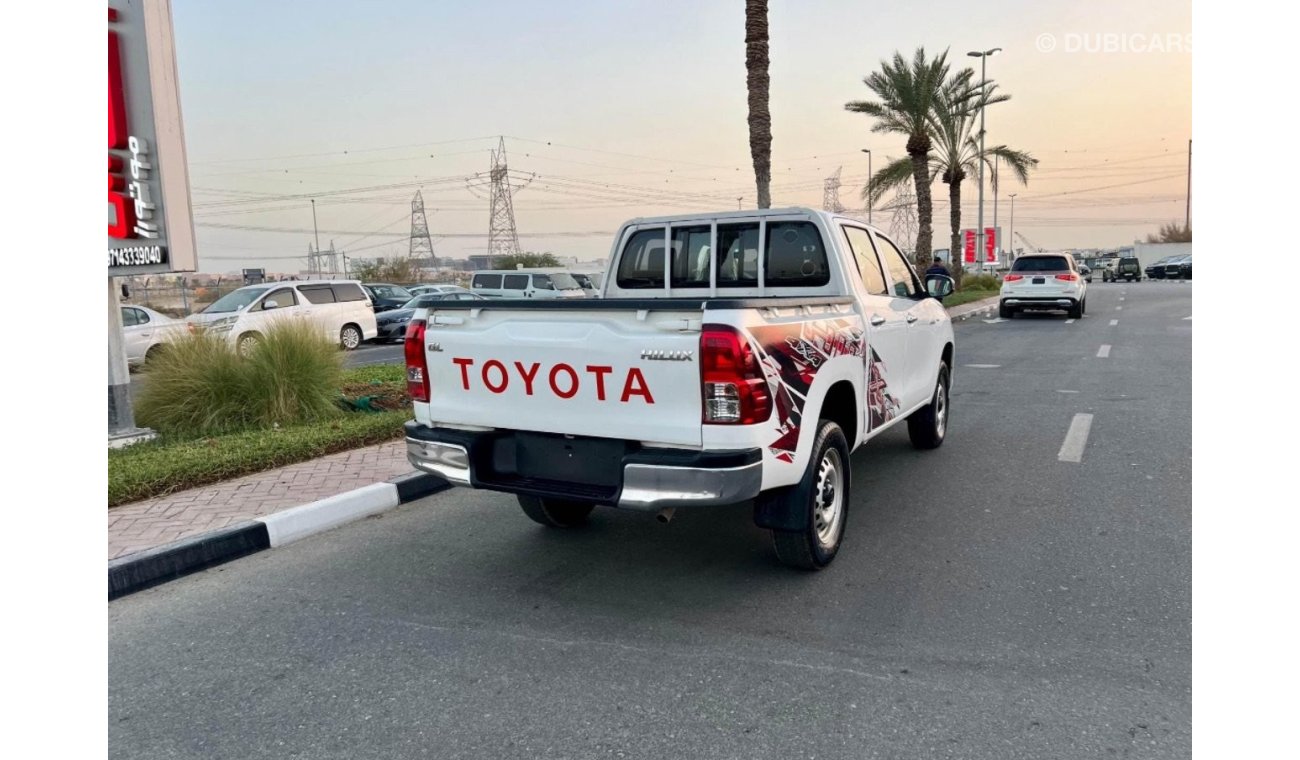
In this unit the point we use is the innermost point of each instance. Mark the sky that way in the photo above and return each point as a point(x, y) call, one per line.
point(614, 110)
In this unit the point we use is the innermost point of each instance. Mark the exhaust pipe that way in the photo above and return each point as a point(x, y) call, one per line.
point(665, 516)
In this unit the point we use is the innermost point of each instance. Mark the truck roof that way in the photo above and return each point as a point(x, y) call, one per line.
point(746, 214)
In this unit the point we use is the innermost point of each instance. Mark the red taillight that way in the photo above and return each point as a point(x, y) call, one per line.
point(1068, 276)
point(1013, 277)
point(735, 391)
point(417, 366)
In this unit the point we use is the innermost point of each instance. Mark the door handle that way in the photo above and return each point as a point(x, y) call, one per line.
point(877, 320)
point(911, 318)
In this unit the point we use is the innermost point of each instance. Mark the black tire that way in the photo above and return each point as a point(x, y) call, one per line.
point(928, 425)
point(154, 352)
point(811, 548)
point(555, 513)
point(350, 337)
point(1005, 312)
point(1076, 311)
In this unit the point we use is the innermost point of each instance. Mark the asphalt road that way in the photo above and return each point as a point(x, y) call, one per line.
point(990, 601)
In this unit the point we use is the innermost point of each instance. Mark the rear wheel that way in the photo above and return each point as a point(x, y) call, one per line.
point(1005, 312)
point(823, 495)
point(928, 425)
point(555, 513)
point(350, 337)
point(153, 353)
point(1076, 311)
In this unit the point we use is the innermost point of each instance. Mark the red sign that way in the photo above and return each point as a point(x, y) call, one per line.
point(969, 247)
point(990, 244)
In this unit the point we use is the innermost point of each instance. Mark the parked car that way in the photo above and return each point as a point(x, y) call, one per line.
point(385, 296)
point(1043, 281)
point(1108, 268)
point(1173, 268)
point(1085, 272)
point(419, 290)
point(147, 333)
point(1128, 269)
point(699, 378)
point(1157, 270)
point(392, 323)
point(1185, 268)
point(340, 307)
point(515, 283)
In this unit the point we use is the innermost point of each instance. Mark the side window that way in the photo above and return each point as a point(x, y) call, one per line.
point(864, 253)
point(515, 282)
point(346, 291)
point(141, 316)
point(282, 297)
point(486, 282)
point(795, 256)
point(642, 263)
point(738, 255)
point(318, 294)
point(905, 282)
point(543, 282)
point(129, 318)
point(690, 264)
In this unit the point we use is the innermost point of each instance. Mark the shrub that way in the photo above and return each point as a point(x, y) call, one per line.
point(201, 386)
point(980, 282)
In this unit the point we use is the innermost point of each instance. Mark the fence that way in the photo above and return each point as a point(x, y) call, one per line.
point(177, 297)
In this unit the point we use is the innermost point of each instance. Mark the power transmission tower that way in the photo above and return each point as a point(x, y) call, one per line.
point(902, 224)
point(831, 193)
point(421, 242)
point(499, 188)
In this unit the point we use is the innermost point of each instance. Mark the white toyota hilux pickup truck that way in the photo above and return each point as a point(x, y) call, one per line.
point(733, 356)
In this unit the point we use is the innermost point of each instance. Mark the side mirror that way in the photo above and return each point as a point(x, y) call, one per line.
point(270, 303)
point(939, 286)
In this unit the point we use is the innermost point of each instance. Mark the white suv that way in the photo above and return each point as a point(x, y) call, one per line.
point(1044, 282)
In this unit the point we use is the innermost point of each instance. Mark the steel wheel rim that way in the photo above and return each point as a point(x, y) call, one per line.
point(350, 338)
point(940, 409)
point(828, 504)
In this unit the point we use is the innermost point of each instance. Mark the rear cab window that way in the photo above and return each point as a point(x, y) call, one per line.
point(794, 255)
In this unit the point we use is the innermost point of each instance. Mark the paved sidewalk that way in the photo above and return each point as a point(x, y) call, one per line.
point(145, 524)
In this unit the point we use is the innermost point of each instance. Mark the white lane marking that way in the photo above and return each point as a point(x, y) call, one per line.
point(1061, 391)
point(1119, 308)
point(1114, 322)
point(1075, 439)
point(982, 366)
point(1121, 298)
point(1104, 351)
point(1069, 321)
point(1186, 318)
point(994, 321)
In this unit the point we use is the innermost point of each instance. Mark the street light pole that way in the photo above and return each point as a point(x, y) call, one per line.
point(869, 203)
point(1012, 237)
point(983, 55)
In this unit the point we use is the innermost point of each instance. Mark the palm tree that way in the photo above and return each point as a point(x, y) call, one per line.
point(908, 94)
point(756, 80)
point(956, 157)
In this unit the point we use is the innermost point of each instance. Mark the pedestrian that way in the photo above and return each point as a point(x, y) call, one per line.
point(937, 268)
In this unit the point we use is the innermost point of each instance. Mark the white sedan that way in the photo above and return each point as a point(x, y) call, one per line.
point(146, 331)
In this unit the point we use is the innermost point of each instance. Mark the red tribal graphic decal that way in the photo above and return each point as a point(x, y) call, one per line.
point(790, 356)
point(882, 405)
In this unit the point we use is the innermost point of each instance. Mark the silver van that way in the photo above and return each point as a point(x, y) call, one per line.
point(506, 283)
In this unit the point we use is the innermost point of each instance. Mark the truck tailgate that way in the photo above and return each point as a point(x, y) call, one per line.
point(617, 373)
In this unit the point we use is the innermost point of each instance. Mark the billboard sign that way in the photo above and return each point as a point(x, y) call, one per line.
point(149, 224)
point(991, 236)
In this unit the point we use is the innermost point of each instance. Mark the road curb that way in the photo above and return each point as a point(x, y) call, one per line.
point(974, 307)
point(142, 570)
